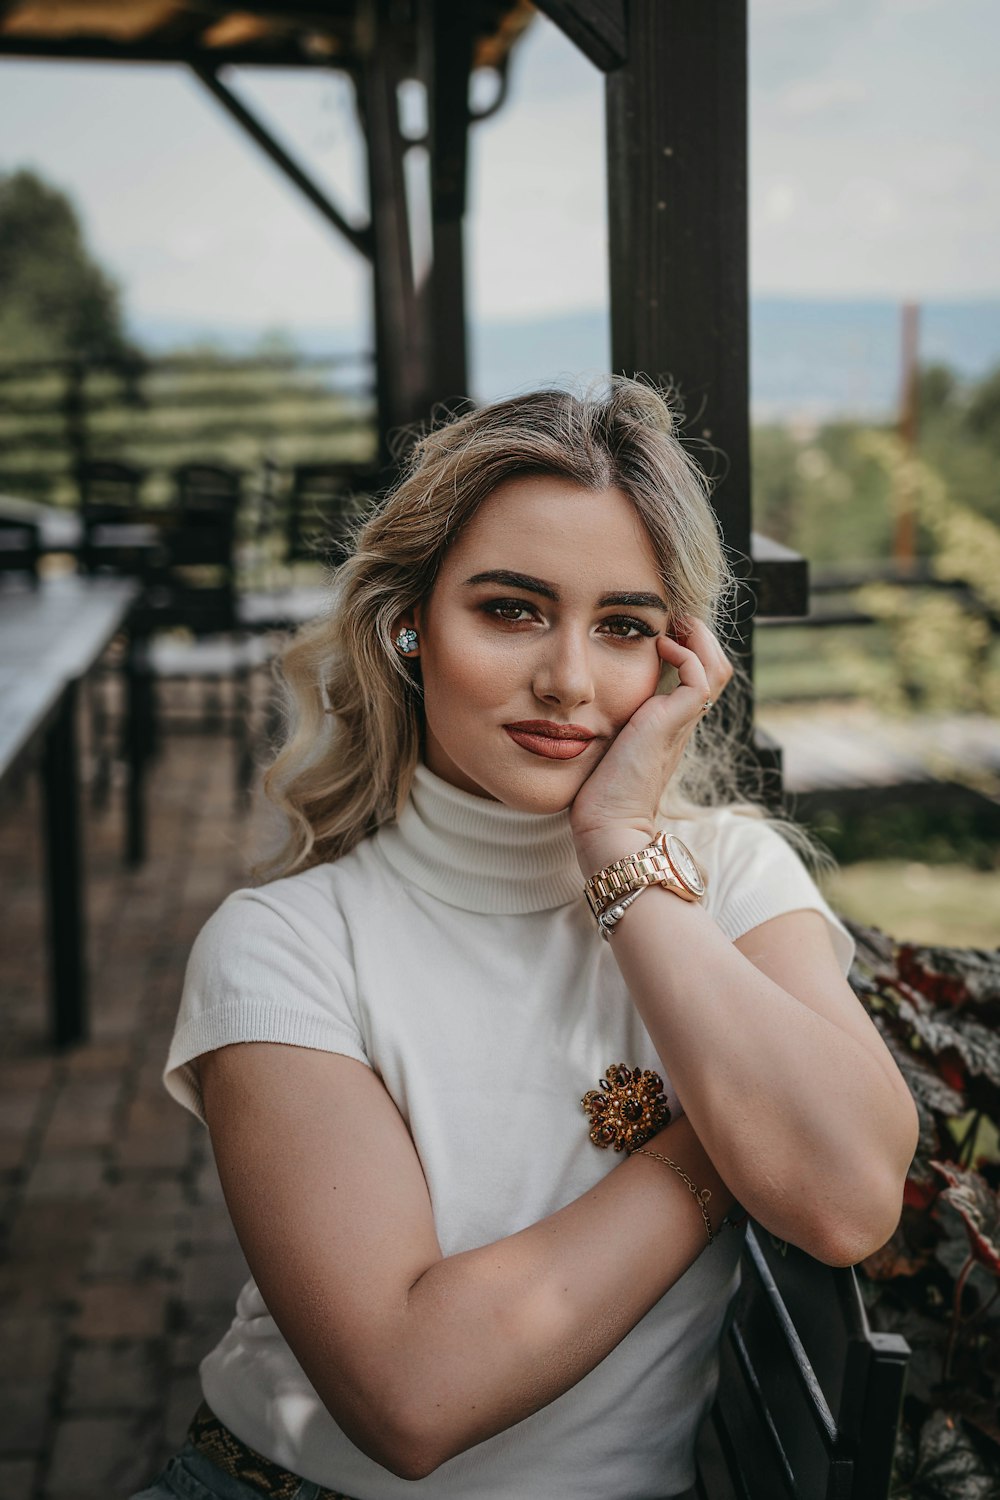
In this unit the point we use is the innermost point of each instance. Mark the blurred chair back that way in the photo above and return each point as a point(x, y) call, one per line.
point(324, 502)
point(202, 548)
point(118, 534)
point(20, 547)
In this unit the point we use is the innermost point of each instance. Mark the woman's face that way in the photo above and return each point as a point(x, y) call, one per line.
point(537, 642)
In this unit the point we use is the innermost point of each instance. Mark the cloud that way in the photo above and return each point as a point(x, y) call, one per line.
point(768, 11)
point(807, 98)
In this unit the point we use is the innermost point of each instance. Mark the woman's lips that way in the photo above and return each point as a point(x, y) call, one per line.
point(547, 744)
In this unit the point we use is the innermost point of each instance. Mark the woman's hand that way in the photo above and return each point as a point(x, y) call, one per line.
point(614, 812)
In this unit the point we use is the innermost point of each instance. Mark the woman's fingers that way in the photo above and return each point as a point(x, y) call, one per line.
point(695, 636)
point(703, 670)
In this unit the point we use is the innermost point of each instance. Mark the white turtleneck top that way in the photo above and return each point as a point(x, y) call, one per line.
point(453, 953)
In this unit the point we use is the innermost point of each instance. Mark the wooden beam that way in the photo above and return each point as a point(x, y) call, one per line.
point(282, 54)
point(597, 27)
point(359, 237)
point(780, 578)
point(677, 170)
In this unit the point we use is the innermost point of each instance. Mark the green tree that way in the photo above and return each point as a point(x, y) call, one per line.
point(55, 300)
point(982, 414)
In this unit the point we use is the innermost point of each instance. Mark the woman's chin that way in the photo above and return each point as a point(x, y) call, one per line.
point(538, 785)
point(530, 792)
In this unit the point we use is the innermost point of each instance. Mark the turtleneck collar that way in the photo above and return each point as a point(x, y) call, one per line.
point(478, 854)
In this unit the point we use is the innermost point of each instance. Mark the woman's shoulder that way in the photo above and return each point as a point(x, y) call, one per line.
point(315, 892)
point(274, 963)
point(740, 828)
point(756, 868)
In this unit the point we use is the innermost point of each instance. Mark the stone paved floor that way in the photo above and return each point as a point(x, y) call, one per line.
point(119, 1267)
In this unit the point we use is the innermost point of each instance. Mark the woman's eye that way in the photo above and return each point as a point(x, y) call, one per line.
point(626, 628)
point(510, 610)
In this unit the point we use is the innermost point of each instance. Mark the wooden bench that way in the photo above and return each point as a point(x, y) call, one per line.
point(809, 1395)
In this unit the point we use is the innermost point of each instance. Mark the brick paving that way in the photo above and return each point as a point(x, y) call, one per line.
point(118, 1266)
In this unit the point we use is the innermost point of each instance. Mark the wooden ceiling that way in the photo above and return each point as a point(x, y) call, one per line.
point(335, 33)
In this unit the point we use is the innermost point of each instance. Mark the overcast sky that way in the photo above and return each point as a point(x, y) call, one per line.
point(874, 136)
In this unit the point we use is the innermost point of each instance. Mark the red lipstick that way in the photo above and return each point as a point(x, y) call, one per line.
point(554, 741)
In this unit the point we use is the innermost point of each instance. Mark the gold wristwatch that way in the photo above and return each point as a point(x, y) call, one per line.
point(666, 861)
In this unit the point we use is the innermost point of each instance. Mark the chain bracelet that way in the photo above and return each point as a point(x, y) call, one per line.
point(701, 1195)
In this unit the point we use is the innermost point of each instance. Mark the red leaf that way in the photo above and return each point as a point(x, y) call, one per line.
point(979, 1207)
point(953, 1073)
point(942, 989)
point(919, 1194)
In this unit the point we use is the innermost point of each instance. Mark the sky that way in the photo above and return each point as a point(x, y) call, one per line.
point(874, 146)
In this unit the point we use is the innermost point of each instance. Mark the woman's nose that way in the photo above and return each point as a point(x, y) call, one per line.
point(563, 671)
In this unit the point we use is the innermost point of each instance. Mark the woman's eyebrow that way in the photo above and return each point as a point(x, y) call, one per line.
point(547, 591)
point(637, 601)
point(515, 581)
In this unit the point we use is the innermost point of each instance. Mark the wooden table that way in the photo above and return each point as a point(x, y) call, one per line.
point(50, 638)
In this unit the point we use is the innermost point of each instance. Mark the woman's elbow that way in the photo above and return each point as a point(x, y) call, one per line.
point(853, 1237)
point(387, 1436)
point(397, 1452)
point(858, 1234)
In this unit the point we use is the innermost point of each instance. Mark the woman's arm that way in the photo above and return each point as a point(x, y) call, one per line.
point(788, 1085)
point(419, 1356)
point(783, 1075)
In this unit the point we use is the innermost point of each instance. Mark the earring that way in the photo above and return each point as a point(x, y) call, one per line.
point(406, 640)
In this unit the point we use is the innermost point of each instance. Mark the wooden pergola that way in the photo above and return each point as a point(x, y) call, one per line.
point(676, 89)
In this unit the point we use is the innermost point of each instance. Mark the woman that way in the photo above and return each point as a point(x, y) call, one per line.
point(455, 1292)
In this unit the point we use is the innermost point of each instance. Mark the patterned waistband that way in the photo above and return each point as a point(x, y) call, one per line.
point(224, 1449)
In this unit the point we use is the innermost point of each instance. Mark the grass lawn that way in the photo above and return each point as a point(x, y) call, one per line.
point(922, 903)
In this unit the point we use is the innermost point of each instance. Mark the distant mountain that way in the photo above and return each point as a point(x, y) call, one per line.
point(809, 358)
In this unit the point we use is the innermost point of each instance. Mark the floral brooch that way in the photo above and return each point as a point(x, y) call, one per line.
point(627, 1109)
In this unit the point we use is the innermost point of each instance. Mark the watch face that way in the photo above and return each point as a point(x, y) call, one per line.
point(682, 863)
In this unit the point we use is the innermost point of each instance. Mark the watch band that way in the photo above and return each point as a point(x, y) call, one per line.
point(666, 861)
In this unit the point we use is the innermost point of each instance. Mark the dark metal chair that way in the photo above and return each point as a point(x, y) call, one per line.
point(809, 1395)
point(325, 500)
point(191, 623)
point(317, 513)
point(200, 573)
point(118, 533)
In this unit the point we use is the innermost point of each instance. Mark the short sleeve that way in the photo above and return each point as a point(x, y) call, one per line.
point(260, 973)
point(755, 874)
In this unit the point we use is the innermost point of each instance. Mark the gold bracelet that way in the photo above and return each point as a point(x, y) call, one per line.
point(701, 1196)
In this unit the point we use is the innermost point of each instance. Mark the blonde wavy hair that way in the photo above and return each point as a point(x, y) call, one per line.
point(353, 706)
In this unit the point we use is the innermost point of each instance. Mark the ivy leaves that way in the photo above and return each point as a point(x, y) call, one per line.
point(937, 1280)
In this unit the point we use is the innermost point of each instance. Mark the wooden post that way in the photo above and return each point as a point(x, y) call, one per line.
point(677, 173)
point(904, 547)
point(65, 909)
point(400, 376)
point(449, 65)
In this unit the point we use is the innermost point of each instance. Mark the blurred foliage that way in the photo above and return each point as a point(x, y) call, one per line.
point(816, 491)
point(835, 493)
point(830, 492)
point(933, 830)
point(937, 1280)
point(55, 300)
point(943, 654)
point(944, 649)
point(261, 414)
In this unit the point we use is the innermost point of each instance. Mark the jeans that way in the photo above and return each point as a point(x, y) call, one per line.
point(189, 1475)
